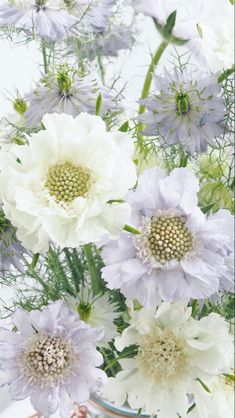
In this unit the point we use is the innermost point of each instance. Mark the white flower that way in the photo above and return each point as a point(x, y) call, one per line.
point(52, 359)
point(215, 47)
point(220, 403)
point(187, 14)
point(67, 185)
point(185, 109)
point(180, 253)
point(98, 312)
point(44, 18)
point(64, 92)
point(173, 351)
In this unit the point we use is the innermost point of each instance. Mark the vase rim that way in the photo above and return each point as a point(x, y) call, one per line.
point(115, 410)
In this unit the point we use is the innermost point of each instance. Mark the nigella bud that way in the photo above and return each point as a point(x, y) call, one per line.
point(64, 82)
point(182, 103)
point(20, 106)
point(84, 309)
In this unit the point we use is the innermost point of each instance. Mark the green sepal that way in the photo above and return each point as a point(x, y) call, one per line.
point(124, 127)
point(98, 106)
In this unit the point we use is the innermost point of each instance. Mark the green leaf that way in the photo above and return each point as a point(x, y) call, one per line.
point(132, 230)
point(203, 385)
point(229, 377)
point(98, 107)
point(226, 73)
point(232, 2)
point(170, 23)
point(124, 127)
point(191, 408)
point(199, 29)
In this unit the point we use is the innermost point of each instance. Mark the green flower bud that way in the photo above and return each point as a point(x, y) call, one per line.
point(84, 309)
point(64, 82)
point(182, 103)
point(20, 106)
point(216, 195)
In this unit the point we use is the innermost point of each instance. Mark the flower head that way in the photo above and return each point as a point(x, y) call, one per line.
point(11, 250)
point(68, 184)
point(67, 92)
point(94, 14)
point(180, 253)
point(173, 352)
point(185, 110)
point(52, 358)
point(98, 312)
point(46, 19)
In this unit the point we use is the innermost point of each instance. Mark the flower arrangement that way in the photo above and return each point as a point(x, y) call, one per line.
point(116, 220)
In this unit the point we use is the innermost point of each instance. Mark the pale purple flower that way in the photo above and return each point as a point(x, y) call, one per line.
point(69, 93)
point(94, 14)
point(52, 359)
point(185, 109)
point(180, 253)
point(108, 43)
point(47, 19)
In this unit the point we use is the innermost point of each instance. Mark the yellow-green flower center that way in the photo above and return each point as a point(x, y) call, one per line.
point(47, 360)
point(67, 181)
point(162, 356)
point(169, 238)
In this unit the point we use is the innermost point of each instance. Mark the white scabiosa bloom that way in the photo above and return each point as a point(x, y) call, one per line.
point(68, 184)
point(47, 19)
point(98, 312)
point(180, 253)
point(52, 359)
point(185, 109)
point(66, 92)
point(173, 352)
point(219, 403)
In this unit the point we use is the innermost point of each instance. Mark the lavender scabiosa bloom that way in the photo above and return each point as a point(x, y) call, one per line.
point(47, 19)
point(67, 92)
point(11, 250)
point(52, 359)
point(180, 253)
point(185, 110)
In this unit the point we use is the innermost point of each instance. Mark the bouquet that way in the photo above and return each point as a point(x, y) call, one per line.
point(116, 213)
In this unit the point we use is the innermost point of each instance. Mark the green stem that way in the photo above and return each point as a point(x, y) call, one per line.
point(148, 80)
point(34, 261)
point(147, 85)
point(44, 56)
point(94, 274)
point(117, 359)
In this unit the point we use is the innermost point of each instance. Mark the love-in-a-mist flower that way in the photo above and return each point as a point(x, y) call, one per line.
point(46, 19)
point(52, 359)
point(67, 185)
point(174, 354)
point(11, 250)
point(185, 109)
point(180, 253)
point(98, 312)
point(108, 43)
point(67, 92)
point(94, 15)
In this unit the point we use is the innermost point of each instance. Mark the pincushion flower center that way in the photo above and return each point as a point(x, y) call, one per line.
point(162, 356)
point(67, 181)
point(169, 238)
point(47, 360)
